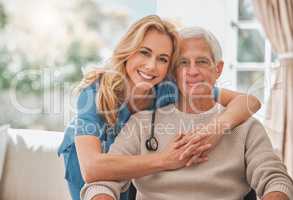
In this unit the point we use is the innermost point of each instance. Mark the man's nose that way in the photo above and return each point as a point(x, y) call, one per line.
point(193, 69)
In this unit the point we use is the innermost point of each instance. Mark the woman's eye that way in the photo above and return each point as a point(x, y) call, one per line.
point(164, 60)
point(145, 53)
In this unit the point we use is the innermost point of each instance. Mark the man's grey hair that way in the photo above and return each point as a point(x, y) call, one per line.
point(198, 32)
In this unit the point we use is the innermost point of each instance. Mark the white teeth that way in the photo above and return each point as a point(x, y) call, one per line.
point(145, 76)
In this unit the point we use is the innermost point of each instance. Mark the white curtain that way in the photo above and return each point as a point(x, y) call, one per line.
point(276, 17)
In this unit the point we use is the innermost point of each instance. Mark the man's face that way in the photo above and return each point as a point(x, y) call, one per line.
point(196, 71)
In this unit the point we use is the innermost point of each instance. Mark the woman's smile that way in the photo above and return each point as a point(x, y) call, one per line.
point(146, 76)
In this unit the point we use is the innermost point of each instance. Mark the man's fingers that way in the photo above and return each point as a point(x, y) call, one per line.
point(195, 150)
point(196, 160)
point(205, 153)
point(189, 151)
point(201, 149)
point(178, 137)
point(201, 160)
point(191, 160)
point(197, 138)
point(189, 140)
point(182, 141)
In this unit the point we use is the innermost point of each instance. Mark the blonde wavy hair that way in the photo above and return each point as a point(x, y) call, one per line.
point(111, 92)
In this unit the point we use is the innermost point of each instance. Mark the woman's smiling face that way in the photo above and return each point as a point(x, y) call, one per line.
point(149, 65)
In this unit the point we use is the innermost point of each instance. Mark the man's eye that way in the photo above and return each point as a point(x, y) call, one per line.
point(202, 61)
point(183, 62)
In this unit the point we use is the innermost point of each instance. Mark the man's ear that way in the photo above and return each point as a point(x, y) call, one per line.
point(219, 68)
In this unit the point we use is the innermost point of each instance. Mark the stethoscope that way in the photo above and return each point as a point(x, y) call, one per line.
point(152, 143)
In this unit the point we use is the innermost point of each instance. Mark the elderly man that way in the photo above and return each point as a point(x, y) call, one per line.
point(243, 159)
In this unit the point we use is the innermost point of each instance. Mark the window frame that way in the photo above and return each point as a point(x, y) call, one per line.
point(264, 66)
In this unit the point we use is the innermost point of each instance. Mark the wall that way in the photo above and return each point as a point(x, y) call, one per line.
point(214, 15)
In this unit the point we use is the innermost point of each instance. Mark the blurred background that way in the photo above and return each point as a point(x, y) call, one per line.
point(44, 45)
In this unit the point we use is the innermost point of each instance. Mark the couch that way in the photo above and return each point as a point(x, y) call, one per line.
point(29, 166)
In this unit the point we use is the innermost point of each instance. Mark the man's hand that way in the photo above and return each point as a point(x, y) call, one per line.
point(275, 196)
point(214, 140)
point(210, 140)
point(212, 133)
point(102, 197)
point(171, 156)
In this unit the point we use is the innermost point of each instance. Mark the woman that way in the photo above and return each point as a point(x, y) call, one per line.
point(137, 81)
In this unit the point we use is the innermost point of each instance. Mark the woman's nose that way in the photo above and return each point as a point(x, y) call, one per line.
point(151, 64)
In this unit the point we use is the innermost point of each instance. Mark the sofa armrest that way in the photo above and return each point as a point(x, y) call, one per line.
point(3, 146)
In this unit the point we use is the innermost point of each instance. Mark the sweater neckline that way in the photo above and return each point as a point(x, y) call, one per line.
point(214, 110)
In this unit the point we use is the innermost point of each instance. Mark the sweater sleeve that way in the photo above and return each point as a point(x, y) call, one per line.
point(264, 170)
point(126, 143)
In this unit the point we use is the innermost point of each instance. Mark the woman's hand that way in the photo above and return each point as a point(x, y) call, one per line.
point(172, 158)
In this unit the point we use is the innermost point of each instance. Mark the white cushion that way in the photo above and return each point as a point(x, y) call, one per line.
point(32, 169)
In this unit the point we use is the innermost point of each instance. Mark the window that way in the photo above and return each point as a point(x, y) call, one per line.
point(36, 76)
point(254, 55)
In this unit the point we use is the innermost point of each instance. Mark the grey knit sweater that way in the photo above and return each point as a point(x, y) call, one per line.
point(243, 159)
